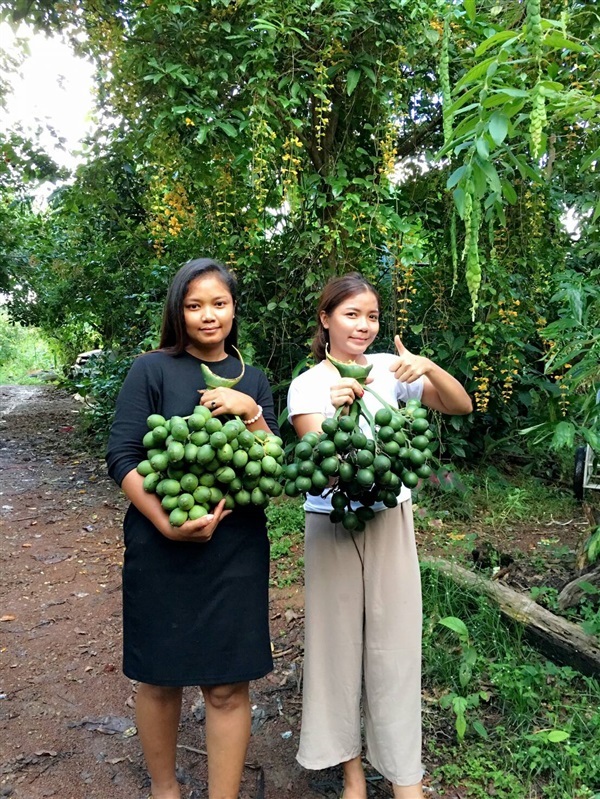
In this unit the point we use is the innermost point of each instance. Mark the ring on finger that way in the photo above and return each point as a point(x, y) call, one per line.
point(213, 404)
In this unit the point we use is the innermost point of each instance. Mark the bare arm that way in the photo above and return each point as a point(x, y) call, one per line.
point(199, 530)
point(343, 392)
point(441, 391)
point(236, 403)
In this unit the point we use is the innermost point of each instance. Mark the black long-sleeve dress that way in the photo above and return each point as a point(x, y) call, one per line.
point(193, 613)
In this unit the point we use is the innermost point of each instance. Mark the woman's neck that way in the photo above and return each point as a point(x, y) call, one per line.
point(346, 357)
point(211, 354)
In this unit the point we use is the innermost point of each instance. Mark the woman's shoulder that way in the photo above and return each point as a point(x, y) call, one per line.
point(255, 373)
point(315, 373)
point(152, 359)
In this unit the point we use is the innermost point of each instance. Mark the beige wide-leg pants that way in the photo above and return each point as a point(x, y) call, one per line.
point(363, 639)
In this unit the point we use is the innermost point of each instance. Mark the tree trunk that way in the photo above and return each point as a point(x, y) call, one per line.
point(558, 639)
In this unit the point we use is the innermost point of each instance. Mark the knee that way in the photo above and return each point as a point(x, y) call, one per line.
point(226, 697)
point(159, 693)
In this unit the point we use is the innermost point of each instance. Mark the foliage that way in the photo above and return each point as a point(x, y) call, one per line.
point(22, 350)
point(541, 720)
point(294, 141)
point(285, 525)
point(574, 360)
point(461, 701)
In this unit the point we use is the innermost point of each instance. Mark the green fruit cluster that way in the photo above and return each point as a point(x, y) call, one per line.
point(353, 468)
point(193, 462)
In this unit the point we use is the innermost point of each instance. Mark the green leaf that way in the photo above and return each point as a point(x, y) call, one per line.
point(462, 100)
point(497, 38)
point(228, 128)
point(351, 80)
point(465, 673)
point(370, 74)
point(556, 736)
point(596, 212)
point(456, 625)
point(459, 201)
point(475, 72)
point(564, 435)
point(264, 24)
point(202, 133)
point(556, 41)
point(480, 729)
point(470, 9)
point(498, 126)
point(459, 705)
point(456, 176)
point(510, 195)
point(482, 147)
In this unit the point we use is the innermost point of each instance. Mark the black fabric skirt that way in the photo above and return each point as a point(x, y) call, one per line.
point(196, 614)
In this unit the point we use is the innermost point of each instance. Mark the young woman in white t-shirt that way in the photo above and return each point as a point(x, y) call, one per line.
point(362, 590)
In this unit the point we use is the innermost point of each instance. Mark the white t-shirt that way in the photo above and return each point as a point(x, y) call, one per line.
point(309, 393)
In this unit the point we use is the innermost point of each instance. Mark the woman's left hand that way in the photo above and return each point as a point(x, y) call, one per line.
point(408, 367)
point(221, 401)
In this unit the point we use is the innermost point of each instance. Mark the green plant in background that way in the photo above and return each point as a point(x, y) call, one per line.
point(285, 526)
point(531, 703)
point(22, 350)
point(462, 702)
point(592, 546)
point(573, 361)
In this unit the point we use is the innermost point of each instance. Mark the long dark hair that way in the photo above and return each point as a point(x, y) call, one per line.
point(335, 292)
point(173, 336)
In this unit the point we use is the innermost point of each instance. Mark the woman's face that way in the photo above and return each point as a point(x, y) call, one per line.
point(208, 312)
point(352, 325)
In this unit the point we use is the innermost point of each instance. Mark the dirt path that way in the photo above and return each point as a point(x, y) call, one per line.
point(66, 710)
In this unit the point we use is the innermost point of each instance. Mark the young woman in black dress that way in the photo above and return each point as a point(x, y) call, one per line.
point(195, 605)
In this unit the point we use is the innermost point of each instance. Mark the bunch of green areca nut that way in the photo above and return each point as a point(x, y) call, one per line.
point(354, 469)
point(193, 462)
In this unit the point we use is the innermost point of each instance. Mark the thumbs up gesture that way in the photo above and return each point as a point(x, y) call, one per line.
point(408, 367)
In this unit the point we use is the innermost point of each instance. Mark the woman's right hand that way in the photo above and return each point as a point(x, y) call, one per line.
point(199, 530)
point(345, 392)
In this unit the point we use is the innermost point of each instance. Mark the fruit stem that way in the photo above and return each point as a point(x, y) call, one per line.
point(381, 400)
point(367, 414)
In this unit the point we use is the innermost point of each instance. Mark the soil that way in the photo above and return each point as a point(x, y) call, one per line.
point(67, 713)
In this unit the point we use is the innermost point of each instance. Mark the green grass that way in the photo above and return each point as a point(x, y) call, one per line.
point(533, 729)
point(285, 524)
point(495, 498)
point(22, 350)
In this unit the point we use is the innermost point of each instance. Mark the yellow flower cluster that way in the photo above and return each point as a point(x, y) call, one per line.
point(171, 212)
point(563, 385)
point(224, 208)
point(389, 151)
point(508, 373)
point(291, 161)
point(482, 392)
point(404, 276)
point(322, 105)
point(263, 135)
point(508, 315)
point(437, 25)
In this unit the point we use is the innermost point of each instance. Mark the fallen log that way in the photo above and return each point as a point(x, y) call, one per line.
point(573, 592)
point(558, 639)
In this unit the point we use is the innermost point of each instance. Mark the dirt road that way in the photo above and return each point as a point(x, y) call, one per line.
point(66, 711)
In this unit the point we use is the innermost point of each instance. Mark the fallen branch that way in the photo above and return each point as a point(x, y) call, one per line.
point(559, 639)
point(572, 593)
